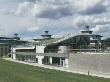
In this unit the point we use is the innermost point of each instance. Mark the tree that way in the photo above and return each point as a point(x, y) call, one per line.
point(106, 42)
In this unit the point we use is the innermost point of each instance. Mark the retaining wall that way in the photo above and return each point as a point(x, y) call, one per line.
point(95, 63)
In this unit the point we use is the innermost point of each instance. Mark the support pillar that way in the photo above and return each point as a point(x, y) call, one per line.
point(50, 60)
point(14, 54)
point(61, 62)
point(66, 62)
point(40, 59)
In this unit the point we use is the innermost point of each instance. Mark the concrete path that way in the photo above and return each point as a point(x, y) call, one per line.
point(55, 68)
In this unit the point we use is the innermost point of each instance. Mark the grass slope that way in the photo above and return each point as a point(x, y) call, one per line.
point(15, 72)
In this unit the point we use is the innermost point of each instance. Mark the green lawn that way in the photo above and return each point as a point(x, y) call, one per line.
point(15, 72)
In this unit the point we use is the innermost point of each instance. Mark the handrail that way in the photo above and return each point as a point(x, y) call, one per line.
point(66, 37)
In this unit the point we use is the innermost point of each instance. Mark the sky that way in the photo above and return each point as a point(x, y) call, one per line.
point(29, 18)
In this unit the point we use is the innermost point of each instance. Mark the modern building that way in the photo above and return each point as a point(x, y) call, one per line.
point(42, 52)
point(7, 43)
point(5, 49)
point(95, 39)
point(44, 40)
point(55, 51)
point(80, 52)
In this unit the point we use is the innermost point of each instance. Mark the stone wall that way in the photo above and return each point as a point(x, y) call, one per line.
point(95, 63)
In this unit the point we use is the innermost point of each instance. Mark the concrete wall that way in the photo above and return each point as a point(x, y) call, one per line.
point(63, 49)
point(14, 50)
point(40, 49)
point(95, 63)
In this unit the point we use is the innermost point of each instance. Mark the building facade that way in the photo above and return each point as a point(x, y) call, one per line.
point(5, 49)
point(48, 50)
point(95, 39)
point(7, 43)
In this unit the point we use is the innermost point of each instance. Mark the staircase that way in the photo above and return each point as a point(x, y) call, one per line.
point(70, 35)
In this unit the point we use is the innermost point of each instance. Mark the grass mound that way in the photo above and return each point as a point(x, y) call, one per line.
point(15, 72)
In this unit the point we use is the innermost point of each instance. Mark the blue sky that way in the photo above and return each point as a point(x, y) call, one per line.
point(30, 18)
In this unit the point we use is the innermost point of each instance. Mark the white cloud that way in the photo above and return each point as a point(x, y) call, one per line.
point(94, 20)
point(24, 8)
point(57, 9)
point(89, 6)
point(46, 9)
point(85, 4)
point(33, 29)
point(33, 16)
point(101, 28)
point(80, 21)
point(6, 12)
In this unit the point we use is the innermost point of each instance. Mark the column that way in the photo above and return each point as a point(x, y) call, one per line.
point(61, 62)
point(40, 59)
point(14, 54)
point(50, 60)
point(66, 62)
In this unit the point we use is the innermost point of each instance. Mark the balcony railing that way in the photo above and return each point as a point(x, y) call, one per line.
point(44, 54)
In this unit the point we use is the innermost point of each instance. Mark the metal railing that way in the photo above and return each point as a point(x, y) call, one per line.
point(66, 37)
point(44, 54)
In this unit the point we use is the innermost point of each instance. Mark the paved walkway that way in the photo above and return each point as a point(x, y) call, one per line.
point(55, 68)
